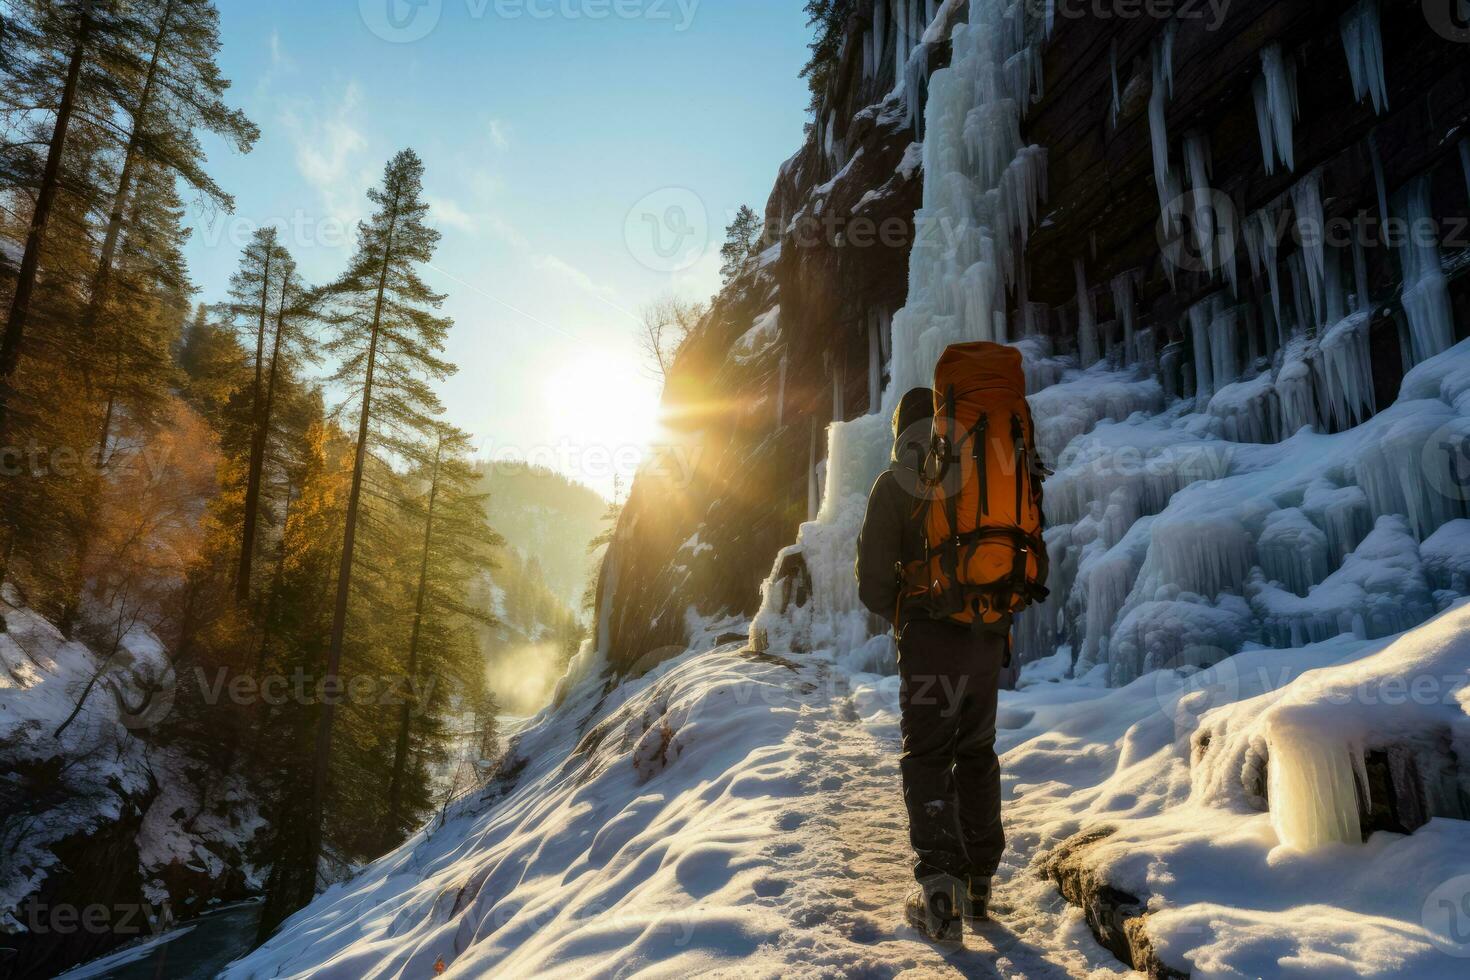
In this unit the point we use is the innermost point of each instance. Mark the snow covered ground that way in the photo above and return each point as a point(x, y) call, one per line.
point(734, 813)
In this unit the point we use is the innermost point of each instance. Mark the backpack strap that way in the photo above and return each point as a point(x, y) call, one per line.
point(980, 435)
point(950, 556)
point(1018, 438)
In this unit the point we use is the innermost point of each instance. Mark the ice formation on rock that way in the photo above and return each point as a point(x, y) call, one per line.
point(1276, 108)
point(1362, 41)
point(982, 190)
point(1251, 494)
point(1306, 201)
point(1426, 293)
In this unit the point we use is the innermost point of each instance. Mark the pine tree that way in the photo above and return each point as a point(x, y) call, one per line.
point(742, 237)
point(273, 308)
point(829, 17)
point(66, 56)
point(456, 547)
point(176, 89)
point(389, 339)
point(298, 622)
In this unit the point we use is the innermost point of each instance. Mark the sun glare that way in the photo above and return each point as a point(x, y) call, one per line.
point(605, 408)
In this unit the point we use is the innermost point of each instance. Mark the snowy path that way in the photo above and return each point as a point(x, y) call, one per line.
point(843, 850)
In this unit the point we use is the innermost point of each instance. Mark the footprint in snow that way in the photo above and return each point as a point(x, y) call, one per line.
point(770, 887)
point(790, 821)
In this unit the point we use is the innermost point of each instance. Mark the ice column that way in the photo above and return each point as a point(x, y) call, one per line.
point(1124, 306)
point(982, 190)
point(1087, 341)
point(1313, 800)
point(1426, 294)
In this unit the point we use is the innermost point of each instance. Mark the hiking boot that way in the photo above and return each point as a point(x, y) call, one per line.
point(977, 900)
point(934, 910)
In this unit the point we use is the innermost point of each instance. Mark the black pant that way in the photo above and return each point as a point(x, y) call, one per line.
point(951, 776)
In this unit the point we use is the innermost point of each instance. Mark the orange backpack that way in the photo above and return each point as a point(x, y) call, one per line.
point(981, 511)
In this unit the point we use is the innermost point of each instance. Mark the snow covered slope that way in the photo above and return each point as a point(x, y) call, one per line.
point(97, 790)
point(734, 813)
point(728, 812)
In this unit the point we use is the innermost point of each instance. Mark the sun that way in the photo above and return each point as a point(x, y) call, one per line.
point(607, 412)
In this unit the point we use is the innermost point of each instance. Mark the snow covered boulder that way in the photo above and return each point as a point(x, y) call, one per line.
point(1415, 691)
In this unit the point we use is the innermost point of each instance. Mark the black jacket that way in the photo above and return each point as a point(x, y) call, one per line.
point(892, 534)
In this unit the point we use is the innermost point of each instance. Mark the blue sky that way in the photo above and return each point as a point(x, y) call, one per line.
point(559, 137)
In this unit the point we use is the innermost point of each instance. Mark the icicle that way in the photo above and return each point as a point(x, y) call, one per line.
point(1312, 795)
point(1197, 163)
point(880, 33)
point(1306, 200)
point(1087, 339)
point(1167, 49)
point(1362, 41)
point(1363, 302)
point(1125, 307)
point(1264, 129)
point(1347, 368)
point(1200, 315)
point(1224, 359)
point(1266, 219)
point(1277, 108)
point(1248, 411)
point(1159, 141)
point(1334, 294)
point(1294, 390)
point(1301, 305)
point(1171, 360)
point(1426, 295)
point(1343, 515)
point(1293, 551)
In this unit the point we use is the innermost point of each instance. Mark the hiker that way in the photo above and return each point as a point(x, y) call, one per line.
point(951, 614)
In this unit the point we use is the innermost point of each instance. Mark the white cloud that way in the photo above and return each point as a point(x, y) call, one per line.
point(444, 211)
point(499, 135)
point(329, 153)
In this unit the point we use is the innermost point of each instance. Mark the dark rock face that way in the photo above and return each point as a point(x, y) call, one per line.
point(1104, 204)
point(95, 904)
point(750, 413)
point(1117, 919)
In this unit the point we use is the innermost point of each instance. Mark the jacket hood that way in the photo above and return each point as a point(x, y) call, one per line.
point(912, 425)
